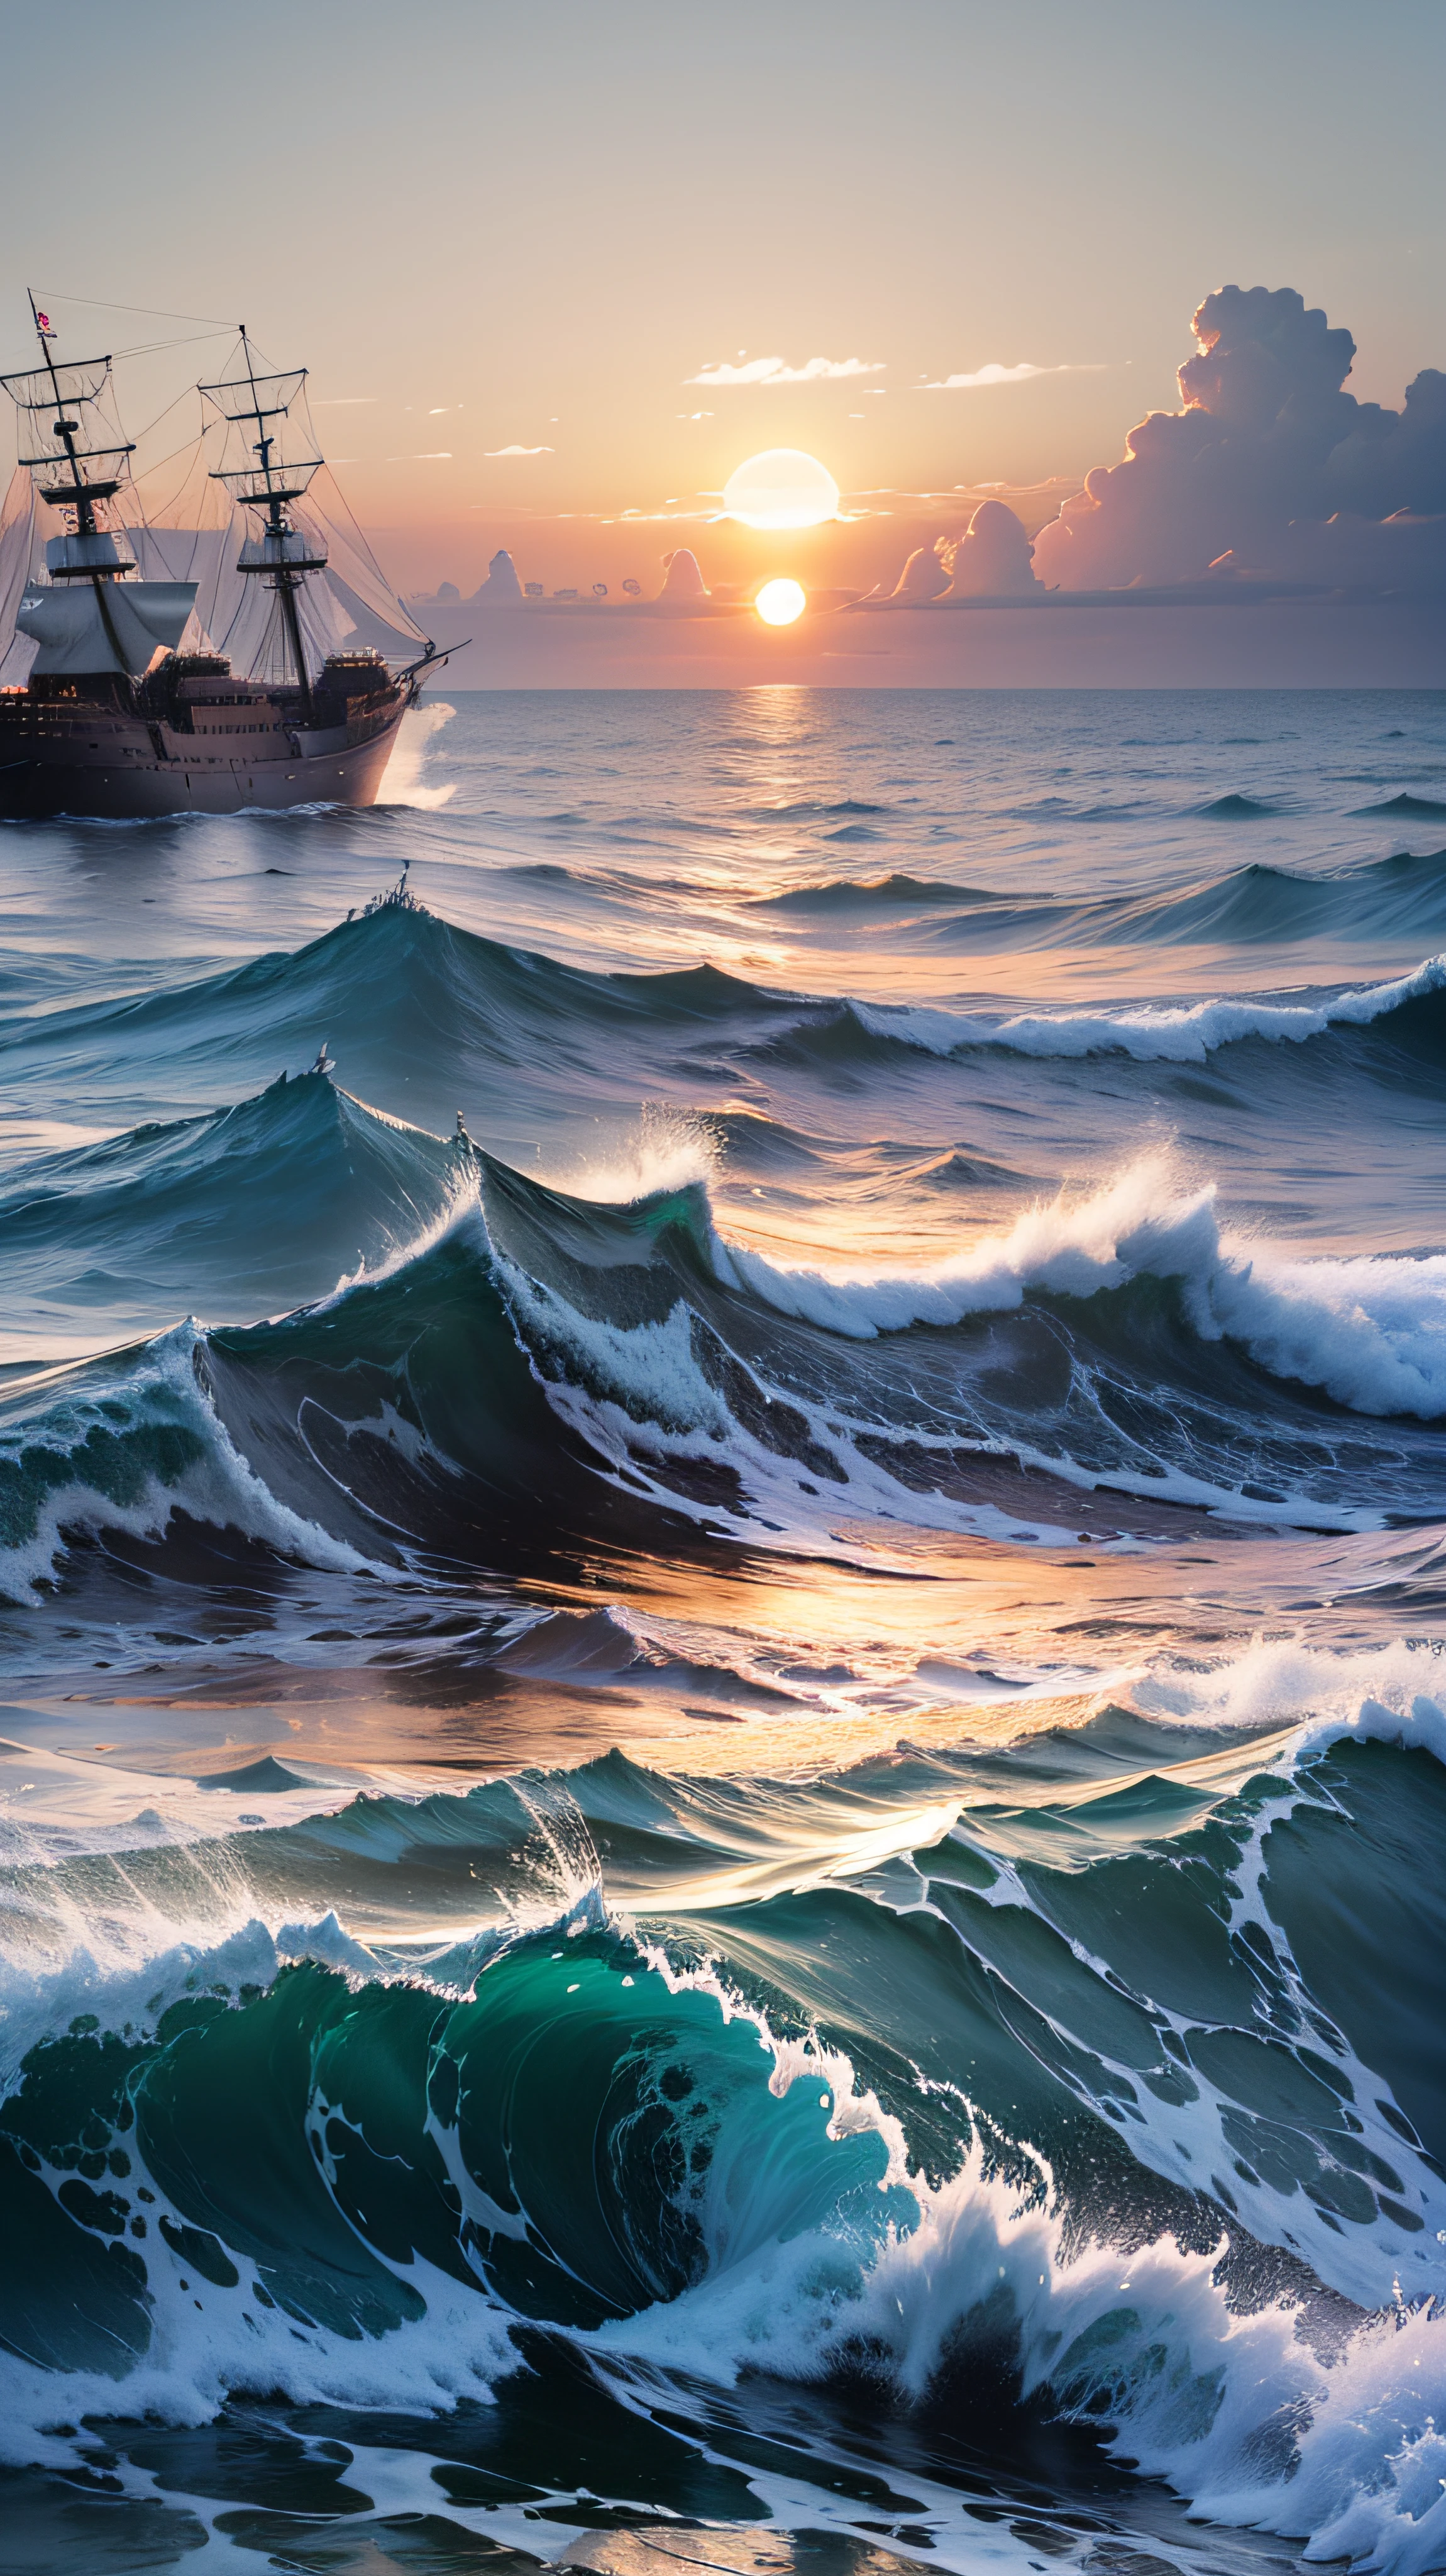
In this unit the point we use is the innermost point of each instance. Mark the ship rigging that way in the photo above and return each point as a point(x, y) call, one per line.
point(169, 663)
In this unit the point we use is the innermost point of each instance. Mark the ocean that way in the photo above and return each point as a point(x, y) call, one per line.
point(723, 1786)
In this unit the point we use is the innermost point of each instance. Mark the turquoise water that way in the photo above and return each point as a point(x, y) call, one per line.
point(721, 1801)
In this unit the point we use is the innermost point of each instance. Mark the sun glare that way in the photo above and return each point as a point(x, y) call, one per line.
point(782, 488)
point(779, 602)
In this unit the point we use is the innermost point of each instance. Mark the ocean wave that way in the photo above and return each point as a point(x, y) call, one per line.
point(426, 1017)
point(1370, 1331)
point(540, 1366)
point(1406, 806)
point(1401, 897)
point(1109, 2080)
point(124, 1444)
point(247, 1210)
point(1188, 1033)
point(1237, 808)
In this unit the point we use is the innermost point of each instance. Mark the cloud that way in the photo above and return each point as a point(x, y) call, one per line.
point(515, 450)
point(994, 374)
point(684, 585)
point(923, 576)
point(775, 371)
point(992, 558)
point(1267, 449)
point(423, 456)
point(501, 589)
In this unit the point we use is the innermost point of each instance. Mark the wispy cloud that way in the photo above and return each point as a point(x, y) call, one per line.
point(341, 402)
point(776, 371)
point(423, 456)
point(515, 450)
point(994, 374)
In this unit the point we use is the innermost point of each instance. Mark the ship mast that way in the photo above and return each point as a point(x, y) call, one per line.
point(283, 554)
point(97, 558)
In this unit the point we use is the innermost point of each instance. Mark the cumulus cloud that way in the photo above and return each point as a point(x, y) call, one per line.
point(992, 558)
point(515, 450)
point(923, 576)
point(994, 374)
point(684, 583)
point(776, 371)
point(922, 579)
point(1266, 450)
point(501, 589)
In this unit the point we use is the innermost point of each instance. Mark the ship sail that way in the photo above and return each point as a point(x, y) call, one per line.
point(88, 617)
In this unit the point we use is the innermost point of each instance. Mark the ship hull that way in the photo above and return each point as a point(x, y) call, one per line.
point(97, 761)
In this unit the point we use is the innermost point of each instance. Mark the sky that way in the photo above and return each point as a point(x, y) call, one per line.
point(543, 229)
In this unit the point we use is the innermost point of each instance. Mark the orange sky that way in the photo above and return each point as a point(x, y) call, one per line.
point(489, 228)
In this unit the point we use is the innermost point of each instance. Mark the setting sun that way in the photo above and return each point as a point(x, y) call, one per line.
point(782, 488)
point(780, 602)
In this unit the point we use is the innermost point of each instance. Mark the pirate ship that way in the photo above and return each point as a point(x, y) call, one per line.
point(256, 661)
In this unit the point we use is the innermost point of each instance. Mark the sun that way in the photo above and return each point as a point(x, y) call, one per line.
point(782, 488)
point(779, 602)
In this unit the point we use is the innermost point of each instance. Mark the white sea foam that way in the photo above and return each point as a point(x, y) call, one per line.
point(1371, 1331)
point(1391, 1694)
point(161, 1392)
point(402, 778)
point(1186, 1033)
point(663, 1149)
point(1239, 2413)
point(202, 2350)
point(823, 2240)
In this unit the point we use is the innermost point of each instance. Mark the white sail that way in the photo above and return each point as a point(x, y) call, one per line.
point(78, 633)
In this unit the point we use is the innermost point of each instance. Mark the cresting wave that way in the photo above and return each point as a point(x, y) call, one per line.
point(1372, 1332)
point(544, 1362)
point(1187, 1034)
point(418, 1009)
point(1135, 2148)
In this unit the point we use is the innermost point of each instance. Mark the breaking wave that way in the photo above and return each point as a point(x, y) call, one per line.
point(542, 1364)
point(1133, 2144)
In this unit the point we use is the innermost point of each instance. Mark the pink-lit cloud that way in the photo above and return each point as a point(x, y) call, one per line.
point(776, 371)
point(995, 374)
point(992, 558)
point(516, 450)
point(1267, 449)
